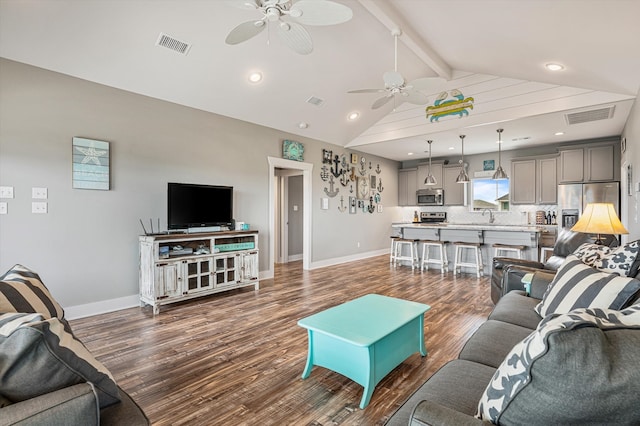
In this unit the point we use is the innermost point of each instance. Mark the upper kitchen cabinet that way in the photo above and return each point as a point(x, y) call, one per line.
point(407, 187)
point(534, 180)
point(454, 193)
point(423, 171)
point(594, 163)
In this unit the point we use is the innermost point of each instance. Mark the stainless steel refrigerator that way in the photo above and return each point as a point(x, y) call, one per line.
point(573, 197)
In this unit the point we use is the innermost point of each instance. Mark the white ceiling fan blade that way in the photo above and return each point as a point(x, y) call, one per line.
point(245, 31)
point(243, 4)
point(430, 84)
point(367, 91)
point(392, 79)
point(320, 12)
point(414, 97)
point(296, 37)
point(377, 104)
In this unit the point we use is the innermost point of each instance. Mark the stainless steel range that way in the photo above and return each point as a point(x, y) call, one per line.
point(433, 217)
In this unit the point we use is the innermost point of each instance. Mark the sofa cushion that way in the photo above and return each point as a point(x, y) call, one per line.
point(38, 355)
point(517, 308)
point(589, 253)
point(594, 351)
point(492, 342)
point(458, 385)
point(22, 290)
point(577, 285)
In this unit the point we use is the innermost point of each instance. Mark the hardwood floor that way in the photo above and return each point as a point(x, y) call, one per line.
point(236, 358)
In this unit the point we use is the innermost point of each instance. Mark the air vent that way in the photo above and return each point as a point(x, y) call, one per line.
point(172, 43)
point(591, 115)
point(315, 101)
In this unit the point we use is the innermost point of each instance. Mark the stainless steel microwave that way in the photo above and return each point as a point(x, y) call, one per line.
point(430, 197)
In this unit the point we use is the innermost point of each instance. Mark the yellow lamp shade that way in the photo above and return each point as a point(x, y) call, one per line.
point(599, 218)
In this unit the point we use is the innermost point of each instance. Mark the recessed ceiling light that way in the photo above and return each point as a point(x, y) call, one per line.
point(409, 153)
point(451, 148)
point(554, 67)
point(255, 77)
point(353, 116)
point(303, 125)
point(559, 133)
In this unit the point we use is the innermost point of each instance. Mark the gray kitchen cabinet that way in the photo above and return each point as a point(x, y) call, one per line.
point(571, 165)
point(534, 180)
point(454, 193)
point(594, 163)
point(407, 187)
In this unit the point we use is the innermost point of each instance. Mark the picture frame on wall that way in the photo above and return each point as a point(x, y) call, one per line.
point(354, 158)
point(91, 164)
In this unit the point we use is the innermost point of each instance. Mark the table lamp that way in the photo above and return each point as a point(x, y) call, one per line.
point(599, 218)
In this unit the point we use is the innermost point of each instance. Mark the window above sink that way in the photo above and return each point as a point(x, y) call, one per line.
point(487, 193)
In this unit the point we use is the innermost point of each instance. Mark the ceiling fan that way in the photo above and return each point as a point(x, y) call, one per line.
point(397, 88)
point(283, 13)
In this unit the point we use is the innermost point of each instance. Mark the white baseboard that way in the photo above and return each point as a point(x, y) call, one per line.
point(101, 307)
point(294, 257)
point(345, 259)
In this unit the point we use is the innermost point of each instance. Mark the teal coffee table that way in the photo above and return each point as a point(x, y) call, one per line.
point(365, 339)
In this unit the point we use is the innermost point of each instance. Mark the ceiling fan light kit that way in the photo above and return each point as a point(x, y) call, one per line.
point(282, 14)
point(397, 88)
point(500, 173)
point(463, 177)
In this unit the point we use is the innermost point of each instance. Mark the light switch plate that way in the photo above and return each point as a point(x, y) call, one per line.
point(324, 203)
point(39, 193)
point(3, 207)
point(6, 191)
point(38, 207)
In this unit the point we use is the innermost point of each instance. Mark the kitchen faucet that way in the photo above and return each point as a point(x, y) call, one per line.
point(491, 217)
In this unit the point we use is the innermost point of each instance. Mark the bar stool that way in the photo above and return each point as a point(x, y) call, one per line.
point(392, 252)
point(477, 256)
point(413, 251)
point(508, 248)
point(544, 253)
point(440, 248)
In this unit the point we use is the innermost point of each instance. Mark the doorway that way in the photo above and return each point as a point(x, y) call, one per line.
point(279, 167)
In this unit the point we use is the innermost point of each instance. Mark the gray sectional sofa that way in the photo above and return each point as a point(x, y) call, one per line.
point(563, 386)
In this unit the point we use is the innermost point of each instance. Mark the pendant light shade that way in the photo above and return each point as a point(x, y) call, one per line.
point(430, 179)
point(500, 173)
point(463, 177)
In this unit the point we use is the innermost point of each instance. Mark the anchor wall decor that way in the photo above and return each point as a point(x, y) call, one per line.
point(331, 192)
point(342, 207)
point(337, 171)
point(324, 173)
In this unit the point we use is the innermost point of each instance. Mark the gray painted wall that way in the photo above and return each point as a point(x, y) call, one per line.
point(631, 203)
point(86, 247)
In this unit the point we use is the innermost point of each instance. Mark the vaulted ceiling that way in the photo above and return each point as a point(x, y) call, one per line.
point(493, 51)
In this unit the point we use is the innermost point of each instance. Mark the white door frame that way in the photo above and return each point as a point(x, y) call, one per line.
point(306, 169)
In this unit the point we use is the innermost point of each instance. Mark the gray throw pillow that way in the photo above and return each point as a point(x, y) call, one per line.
point(576, 368)
point(38, 356)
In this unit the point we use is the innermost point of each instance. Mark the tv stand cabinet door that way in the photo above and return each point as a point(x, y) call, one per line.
point(168, 280)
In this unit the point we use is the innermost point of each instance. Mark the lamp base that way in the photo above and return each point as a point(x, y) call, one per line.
point(599, 240)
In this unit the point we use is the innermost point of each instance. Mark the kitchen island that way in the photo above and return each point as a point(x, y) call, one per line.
point(485, 233)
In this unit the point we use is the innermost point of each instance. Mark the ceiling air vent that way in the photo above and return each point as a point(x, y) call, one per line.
point(590, 115)
point(172, 43)
point(315, 101)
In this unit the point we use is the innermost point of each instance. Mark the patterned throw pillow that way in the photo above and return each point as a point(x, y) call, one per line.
point(22, 290)
point(577, 285)
point(39, 356)
point(590, 253)
point(620, 260)
point(576, 368)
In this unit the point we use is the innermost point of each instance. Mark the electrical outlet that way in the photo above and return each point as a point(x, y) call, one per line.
point(39, 193)
point(3, 207)
point(6, 191)
point(38, 207)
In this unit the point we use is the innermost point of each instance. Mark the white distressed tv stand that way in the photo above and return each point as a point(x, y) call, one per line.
point(168, 275)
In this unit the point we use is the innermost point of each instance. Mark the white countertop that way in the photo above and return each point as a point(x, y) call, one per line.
point(471, 226)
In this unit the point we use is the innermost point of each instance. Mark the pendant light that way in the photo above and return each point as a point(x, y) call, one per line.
point(463, 177)
point(500, 173)
point(430, 180)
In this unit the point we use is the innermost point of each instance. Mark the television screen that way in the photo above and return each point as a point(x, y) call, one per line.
point(193, 206)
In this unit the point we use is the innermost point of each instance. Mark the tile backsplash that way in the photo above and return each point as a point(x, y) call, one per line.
point(521, 214)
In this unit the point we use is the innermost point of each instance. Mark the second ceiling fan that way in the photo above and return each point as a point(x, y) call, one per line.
point(397, 88)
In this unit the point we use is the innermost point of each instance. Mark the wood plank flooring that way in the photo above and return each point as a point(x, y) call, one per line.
point(236, 358)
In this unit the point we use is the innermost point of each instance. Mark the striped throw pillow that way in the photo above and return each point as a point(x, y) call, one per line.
point(22, 290)
point(39, 356)
point(577, 285)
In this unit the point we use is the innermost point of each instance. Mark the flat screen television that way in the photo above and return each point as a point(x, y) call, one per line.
point(199, 206)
